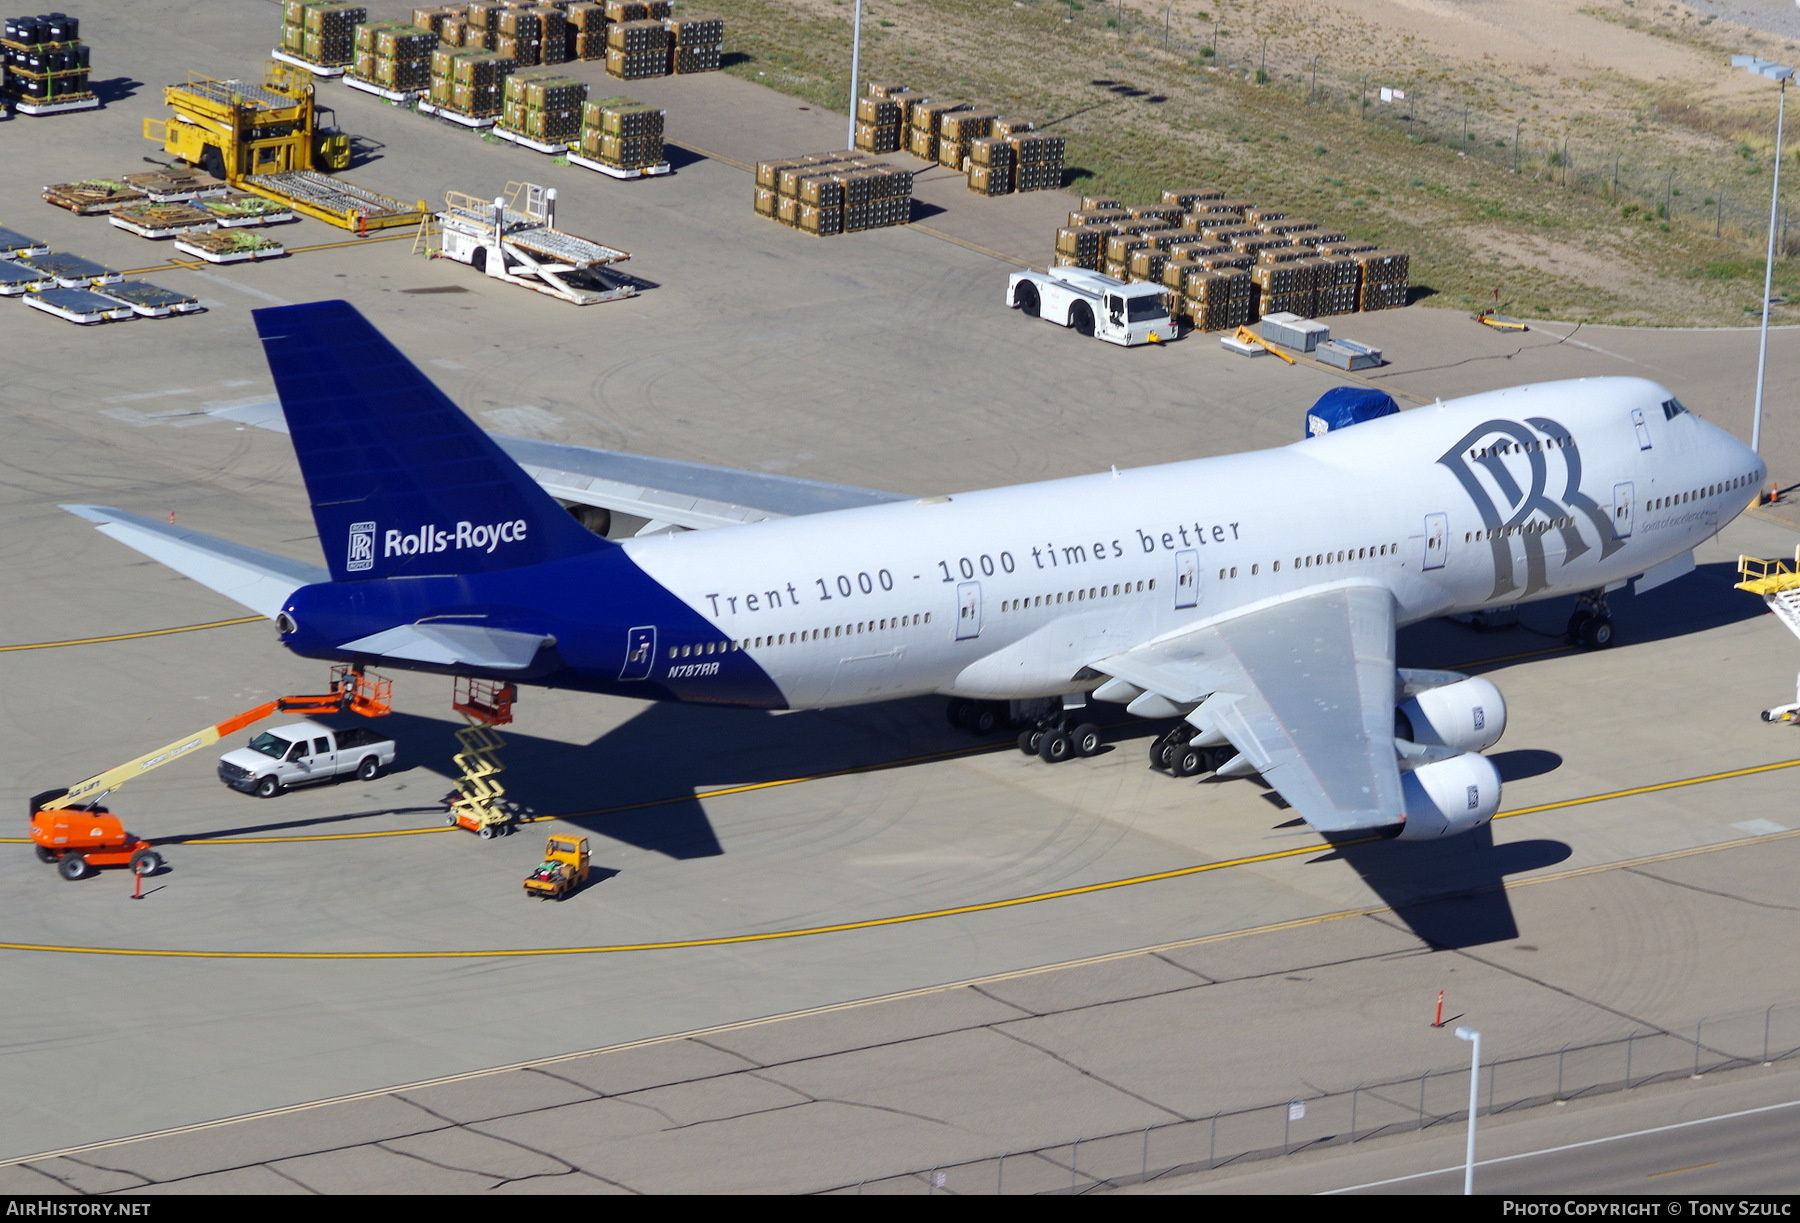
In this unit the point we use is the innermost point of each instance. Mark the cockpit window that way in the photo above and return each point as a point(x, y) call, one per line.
point(1673, 408)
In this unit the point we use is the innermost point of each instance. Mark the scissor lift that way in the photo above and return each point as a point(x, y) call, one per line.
point(1779, 585)
point(479, 801)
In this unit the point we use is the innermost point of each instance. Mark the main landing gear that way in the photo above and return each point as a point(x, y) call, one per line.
point(1172, 753)
point(1053, 737)
point(1053, 740)
point(1591, 626)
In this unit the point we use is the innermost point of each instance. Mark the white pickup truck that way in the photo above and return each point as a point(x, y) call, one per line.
point(1107, 309)
point(304, 752)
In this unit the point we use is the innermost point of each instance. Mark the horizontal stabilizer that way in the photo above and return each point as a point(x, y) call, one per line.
point(261, 581)
point(471, 645)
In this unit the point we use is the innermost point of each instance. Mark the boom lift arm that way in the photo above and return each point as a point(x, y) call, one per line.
point(352, 691)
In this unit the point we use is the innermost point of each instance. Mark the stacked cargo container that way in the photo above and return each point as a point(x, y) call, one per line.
point(956, 131)
point(393, 55)
point(584, 27)
point(46, 65)
point(469, 81)
point(322, 33)
point(533, 35)
point(695, 44)
point(622, 133)
point(833, 193)
point(637, 49)
point(1230, 261)
point(927, 120)
point(543, 104)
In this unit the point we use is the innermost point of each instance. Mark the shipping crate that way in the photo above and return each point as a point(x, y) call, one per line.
point(1092, 203)
point(870, 138)
point(886, 89)
point(1096, 216)
point(1013, 127)
point(991, 179)
point(765, 202)
point(636, 65)
point(1155, 212)
point(1257, 216)
point(823, 221)
point(637, 36)
point(1086, 243)
point(1186, 198)
point(626, 10)
point(879, 111)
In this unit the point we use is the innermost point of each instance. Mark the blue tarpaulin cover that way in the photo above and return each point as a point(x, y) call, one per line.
point(1343, 406)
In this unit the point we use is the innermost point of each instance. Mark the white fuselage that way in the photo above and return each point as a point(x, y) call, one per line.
point(1499, 498)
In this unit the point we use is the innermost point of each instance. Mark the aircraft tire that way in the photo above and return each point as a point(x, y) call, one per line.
point(1055, 747)
point(1190, 761)
point(1578, 625)
point(1085, 739)
point(958, 711)
point(984, 719)
point(1028, 740)
point(1597, 633)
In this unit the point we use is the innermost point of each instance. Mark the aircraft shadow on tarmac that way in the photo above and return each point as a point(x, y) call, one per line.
point(1704, 599)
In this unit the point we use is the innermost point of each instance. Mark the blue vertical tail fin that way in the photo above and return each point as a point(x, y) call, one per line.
point(402, 482)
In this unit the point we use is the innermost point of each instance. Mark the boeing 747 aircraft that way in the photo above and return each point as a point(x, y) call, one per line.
point(1265, 624)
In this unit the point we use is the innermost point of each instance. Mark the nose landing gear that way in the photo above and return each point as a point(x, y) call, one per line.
point(1591, 627)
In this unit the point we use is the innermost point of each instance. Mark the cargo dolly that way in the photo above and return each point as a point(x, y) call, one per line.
point(1779, 585)
point(515, 239)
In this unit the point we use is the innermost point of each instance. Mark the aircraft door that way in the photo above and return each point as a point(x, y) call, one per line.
point(640, 652)
point(968, 611)
point(1187, 578)
point(1437, 540)
point(1622, 510)
point(1643, 430)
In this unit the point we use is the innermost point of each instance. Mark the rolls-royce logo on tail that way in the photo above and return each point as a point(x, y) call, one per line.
point(361, 553)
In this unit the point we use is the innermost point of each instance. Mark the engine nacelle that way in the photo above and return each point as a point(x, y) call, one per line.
point(1468, 715)
point(1448, 797)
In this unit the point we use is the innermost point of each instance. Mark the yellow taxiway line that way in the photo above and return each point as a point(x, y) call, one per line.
point(149, 632)
point(767, 936)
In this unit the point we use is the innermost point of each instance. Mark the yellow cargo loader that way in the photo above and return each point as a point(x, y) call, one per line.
point(273, 140)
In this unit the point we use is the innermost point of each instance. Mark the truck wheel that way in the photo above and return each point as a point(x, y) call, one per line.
point(1026, 299)
point(146, 862)
point(487, 832)
point(212, 161)
point(73, 867)
point(369, 769)
point(49, 855)
point(478, 260)
point(1081, 318)
point(268, 787)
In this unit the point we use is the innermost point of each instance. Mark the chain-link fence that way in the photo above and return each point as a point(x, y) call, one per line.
point(1312, 1119)
point(1724, 194)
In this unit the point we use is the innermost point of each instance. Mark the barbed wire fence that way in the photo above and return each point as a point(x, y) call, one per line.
point(1311, 1120)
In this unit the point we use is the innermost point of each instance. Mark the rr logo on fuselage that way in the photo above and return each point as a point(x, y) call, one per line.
point(361, 552)
point(1489, 462)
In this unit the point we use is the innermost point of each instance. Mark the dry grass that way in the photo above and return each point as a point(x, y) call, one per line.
point(1140, 117)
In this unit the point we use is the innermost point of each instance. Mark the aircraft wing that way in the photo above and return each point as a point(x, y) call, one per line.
point(261, 581)
point(1304, 689)
point(665, 491)
point(692, 495)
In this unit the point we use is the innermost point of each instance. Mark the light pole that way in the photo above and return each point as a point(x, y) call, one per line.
point(855, 67)
point(1474, 1037)
point(1780, 73)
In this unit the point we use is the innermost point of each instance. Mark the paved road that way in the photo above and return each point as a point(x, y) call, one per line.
point(885, 361)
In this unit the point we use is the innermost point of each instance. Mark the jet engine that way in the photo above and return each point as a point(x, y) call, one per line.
point(1466, 714)
point(1447, 797)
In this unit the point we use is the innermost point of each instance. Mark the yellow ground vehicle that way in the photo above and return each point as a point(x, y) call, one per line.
point(272, 139)
point(563, 870)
